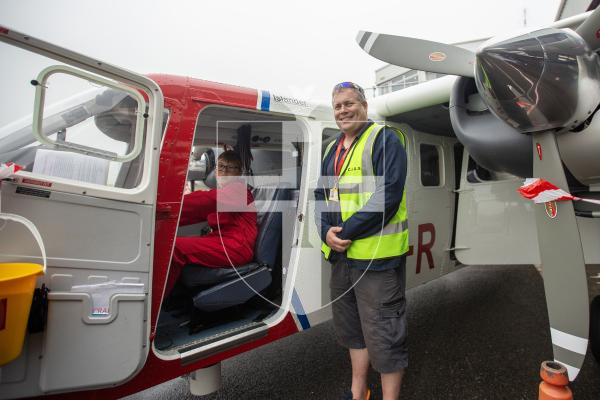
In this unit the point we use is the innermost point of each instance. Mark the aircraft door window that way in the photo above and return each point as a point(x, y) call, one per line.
point(85, 129)
point(430, 165)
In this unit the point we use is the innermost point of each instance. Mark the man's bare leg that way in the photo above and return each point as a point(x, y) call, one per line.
point(390, 385)
point(360, 368)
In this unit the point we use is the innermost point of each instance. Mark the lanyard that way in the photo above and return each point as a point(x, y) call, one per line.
point(337, 162)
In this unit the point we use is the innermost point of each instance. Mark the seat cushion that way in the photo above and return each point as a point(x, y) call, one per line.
point(194, 276)
point(233, 292)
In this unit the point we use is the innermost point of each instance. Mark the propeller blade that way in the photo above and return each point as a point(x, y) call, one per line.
point(589, 30)
point(563, 266)
point(422, 55)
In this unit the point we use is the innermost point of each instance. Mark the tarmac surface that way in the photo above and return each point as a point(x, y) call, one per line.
point(478, 333)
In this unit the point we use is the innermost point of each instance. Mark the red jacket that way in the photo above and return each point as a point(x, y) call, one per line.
point(231, 213)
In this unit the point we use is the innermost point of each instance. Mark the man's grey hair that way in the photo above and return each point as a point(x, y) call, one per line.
point(360, 93)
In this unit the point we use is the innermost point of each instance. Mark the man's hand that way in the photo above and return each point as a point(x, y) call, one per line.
point(335, 242)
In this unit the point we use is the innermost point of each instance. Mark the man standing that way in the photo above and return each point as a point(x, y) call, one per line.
point(362, 217)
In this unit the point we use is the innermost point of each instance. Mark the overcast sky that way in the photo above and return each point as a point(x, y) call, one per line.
point(299, 47)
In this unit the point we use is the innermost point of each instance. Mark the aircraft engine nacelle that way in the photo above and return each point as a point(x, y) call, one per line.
point(579, 151)
point(543, 80)
point(491, 142)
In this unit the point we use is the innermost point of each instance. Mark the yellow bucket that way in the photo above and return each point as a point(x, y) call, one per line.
point(17, 283)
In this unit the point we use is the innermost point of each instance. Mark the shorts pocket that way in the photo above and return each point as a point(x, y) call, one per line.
point(393, 309)
point(392, 330)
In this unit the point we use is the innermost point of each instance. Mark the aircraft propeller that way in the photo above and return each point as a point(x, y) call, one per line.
point(419, 54)
point(542, 84)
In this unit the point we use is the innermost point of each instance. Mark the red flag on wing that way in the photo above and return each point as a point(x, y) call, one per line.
point(541, 191)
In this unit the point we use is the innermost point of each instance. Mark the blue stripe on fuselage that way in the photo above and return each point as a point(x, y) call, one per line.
point(265, 102)
point(299, 310)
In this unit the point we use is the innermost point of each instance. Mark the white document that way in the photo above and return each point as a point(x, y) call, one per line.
point(78, 167)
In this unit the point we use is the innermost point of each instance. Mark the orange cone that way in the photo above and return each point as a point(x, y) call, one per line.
point(554, 382)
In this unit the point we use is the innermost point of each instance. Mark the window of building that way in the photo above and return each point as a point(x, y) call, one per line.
point(432, 75)
point(400, 82)
point(384, 89)
point(405, 80)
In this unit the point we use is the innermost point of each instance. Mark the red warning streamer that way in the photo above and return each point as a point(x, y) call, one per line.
point(541, 191)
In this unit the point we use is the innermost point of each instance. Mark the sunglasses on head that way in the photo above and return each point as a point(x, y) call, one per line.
point(348, 85)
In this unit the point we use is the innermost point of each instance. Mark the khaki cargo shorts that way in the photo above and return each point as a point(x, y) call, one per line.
point(372, 314)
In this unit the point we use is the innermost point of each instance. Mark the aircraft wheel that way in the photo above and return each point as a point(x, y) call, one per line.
point(595, 327)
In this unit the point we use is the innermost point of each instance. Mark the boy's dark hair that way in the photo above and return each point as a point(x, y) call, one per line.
point(231, 158)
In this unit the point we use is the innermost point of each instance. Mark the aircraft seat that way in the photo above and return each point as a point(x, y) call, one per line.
point(215, 289)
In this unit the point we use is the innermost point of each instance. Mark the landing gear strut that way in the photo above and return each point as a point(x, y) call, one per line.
point(206, 380)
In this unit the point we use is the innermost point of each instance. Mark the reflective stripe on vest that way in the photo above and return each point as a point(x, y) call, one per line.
point(357, 184)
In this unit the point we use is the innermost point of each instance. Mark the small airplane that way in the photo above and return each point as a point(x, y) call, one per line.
point(108, 154)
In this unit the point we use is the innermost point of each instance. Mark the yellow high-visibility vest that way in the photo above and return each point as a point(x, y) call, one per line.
point(356, 185)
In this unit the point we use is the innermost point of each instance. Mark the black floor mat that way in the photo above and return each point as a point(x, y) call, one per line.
point(177, 327)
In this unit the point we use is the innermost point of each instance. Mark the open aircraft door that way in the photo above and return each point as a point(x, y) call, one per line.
point(90, 158)
point(311, 298)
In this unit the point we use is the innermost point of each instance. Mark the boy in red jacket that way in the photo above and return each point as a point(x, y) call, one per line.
point(231, 214)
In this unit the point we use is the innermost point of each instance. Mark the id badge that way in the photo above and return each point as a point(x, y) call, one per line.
point(333, 194)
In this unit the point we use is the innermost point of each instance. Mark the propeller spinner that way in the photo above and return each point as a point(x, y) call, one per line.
point(540, 81)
